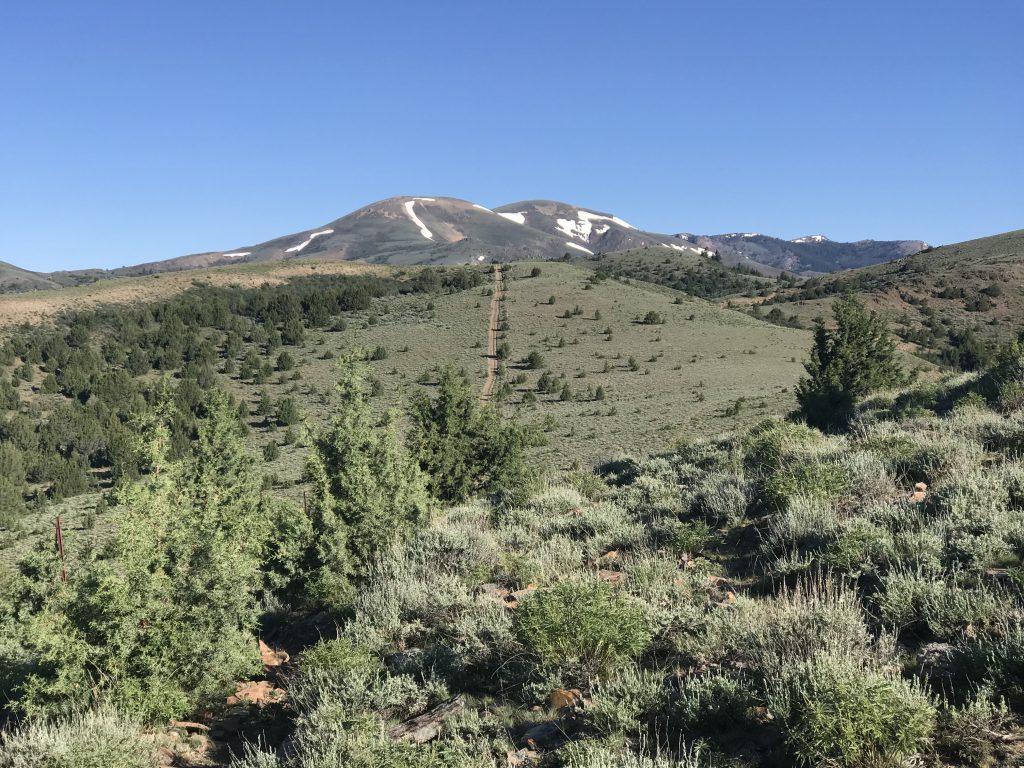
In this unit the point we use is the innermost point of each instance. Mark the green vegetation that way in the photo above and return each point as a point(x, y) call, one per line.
point(581, 629)
point(685, 271)
point(952, 304)
point(769, 593)
point(847, 362)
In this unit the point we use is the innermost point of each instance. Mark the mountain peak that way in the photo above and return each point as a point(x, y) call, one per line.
point(811, 239)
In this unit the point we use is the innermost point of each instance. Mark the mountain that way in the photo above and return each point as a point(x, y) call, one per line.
point(805, 255)
point(447, 230)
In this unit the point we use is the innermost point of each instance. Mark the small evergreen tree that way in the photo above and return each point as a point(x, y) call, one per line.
point(847, 362)
point(463, 448)
point(163, 618)
point(367, 493)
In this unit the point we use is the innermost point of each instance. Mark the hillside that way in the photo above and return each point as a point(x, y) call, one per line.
point(941, 300)
point(693, 274)
point(601, 384)
point(15, 279)
point(771, 597)
point(446, 230)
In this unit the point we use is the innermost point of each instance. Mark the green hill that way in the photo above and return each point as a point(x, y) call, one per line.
point(939, 300)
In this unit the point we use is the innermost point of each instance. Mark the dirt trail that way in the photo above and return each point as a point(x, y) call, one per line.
point(492, 338)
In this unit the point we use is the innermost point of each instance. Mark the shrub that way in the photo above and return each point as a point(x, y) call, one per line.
point(819, 615)
point(690, 538)
point(850, 713)
point(997, 658)
point(93, 739)
point(592, 754)
point(812, 479)
point(287, 412)
point(722, 497)
point(581, 627)
point(534, 360)
point(710, 703)
point(1002, 385)
point(630, 696)
point(966, 734)
point(285, 361)
point(918, 601)
point(271, 451)
point(804, 524)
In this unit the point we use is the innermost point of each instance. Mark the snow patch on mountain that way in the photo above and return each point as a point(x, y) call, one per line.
point(416, 219)
point(583, 225)
point(236, 255)
point(518, 218)
point(579, 247)
point(482, 208)
point(308, 240)
point(810, 239)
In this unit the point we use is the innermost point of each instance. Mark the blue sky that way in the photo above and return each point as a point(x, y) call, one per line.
point(138, 131)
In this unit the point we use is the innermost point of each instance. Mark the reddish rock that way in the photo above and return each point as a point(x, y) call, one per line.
point(270, 657)
point(513, 598)
point(561, 699)
point(260, 693)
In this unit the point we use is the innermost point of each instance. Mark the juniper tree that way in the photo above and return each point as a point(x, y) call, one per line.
point(464, 448)
point(163, 618)
point(368, 493)
point(847, 362)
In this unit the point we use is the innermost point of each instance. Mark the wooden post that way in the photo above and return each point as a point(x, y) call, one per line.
point(60, 551)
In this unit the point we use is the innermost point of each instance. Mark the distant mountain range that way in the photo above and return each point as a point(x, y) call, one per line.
point(446, 230)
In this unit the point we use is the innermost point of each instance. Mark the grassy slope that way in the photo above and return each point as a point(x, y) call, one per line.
point(644, 410)
point(719, 354)
point(14, 278)
point(705, 364)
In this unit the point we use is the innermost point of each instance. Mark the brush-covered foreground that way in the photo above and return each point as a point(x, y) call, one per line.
point(775, 597)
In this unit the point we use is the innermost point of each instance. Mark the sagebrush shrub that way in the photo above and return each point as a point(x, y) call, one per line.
point(817, 615)
point(822, 480)
point(919, 601)
point(93, 739)
point(623, 703)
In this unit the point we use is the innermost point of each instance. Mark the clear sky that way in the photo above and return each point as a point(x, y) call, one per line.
point(133, 131)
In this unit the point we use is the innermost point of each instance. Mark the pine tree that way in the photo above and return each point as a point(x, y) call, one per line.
point(847, 362)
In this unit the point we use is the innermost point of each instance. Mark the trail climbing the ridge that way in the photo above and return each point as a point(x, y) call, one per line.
point(492, 338)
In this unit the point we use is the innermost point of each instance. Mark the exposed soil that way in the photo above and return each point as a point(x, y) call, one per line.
point(492, 338)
